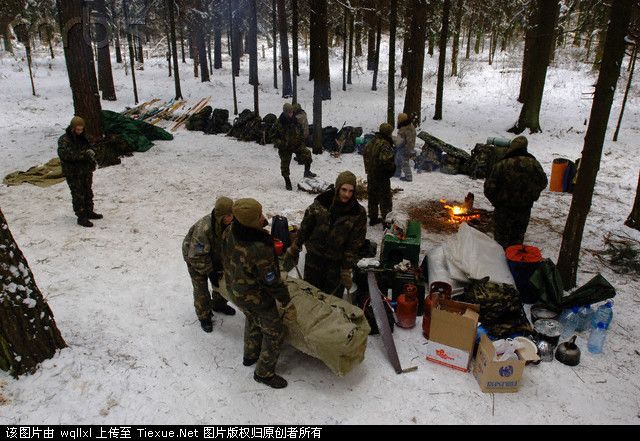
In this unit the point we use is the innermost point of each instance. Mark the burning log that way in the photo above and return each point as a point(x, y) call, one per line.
point(444, 216)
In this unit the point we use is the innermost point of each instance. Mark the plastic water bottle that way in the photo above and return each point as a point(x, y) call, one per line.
point(586, 314)
point(570, 322)
point(596, 338)
point(604, 314)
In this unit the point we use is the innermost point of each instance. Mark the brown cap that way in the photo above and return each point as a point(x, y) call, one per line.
point(386, 129)
point(248, 212)
point(76, 121)
point(224, 206)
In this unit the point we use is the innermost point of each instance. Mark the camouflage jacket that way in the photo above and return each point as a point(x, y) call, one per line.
point(303, 122)
point(72, 150)
point(332, 230)
point(515, 181)
point(379, 158)
point(251, 269)
point(406, 139)
point(202, 244)
point(287, 133)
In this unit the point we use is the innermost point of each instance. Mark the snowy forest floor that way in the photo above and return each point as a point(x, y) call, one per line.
point(122, 298)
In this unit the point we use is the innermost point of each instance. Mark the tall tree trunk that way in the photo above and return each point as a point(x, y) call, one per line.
point(74, 20)
point(6, 35)
point(634, 55)
point(344, 48)
point(351, 32)
point(116, 31)
point(217, 46)
point(168, 37)
point(284, 50)
point(274, 36)
point(406, 41)
point(529, 42)
point(376, 59)
point(319, 67)
point(444, 34)
point(181, 27)
point(371, 47)
point(105, 76)
point(294, 42)
point(237, 36)
point(468, 50)
point(456, 39)
point(140, 54)
point(545, 25)
point(391, 78)
point(174, 47)
point(633, 221)
point(125, 8)
point(358, 26)
point(209, 57)
point(479, 38)
point(233, 50)
point(28, 332)
point(431, 37)
point(28, 50)
point(613, 53)
point(253, 54)
point(415, 63)
point(200, 41)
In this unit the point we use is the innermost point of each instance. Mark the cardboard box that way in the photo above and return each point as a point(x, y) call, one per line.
point(452, 334)
point(496, 376)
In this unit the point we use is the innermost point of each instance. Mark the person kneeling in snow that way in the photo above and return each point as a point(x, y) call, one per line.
point(253, 282)
point(78, 163)
point(334, 229)
point(201, 251)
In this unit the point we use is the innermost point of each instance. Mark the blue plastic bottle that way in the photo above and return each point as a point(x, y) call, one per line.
point(586, 314)
point(570, 322)
point(596, 338)
point(604, 314)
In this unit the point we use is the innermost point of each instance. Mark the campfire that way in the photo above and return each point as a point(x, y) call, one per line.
point(444, 217)
point(461, 213)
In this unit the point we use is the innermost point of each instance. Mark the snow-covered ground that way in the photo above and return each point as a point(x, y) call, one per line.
point(122, 297)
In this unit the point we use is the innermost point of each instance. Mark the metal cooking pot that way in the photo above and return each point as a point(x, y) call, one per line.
point(539, 311)
point(568, 352)
point(548, 330)
point(545, 350)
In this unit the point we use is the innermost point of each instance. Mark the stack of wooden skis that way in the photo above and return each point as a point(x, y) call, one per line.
point(156, 110)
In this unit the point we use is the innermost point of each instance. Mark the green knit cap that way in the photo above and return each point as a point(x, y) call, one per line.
point(224, 206)
point(287, 107)
point(346, 177)
point(519, 142)
point(77, 121)
point(248, 212)
point(386, 129)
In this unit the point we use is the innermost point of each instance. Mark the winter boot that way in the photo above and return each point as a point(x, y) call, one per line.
point(206, 324)
point(246, 361)
point(376, 221)
point(225, 309)
point(84, 222)
point(308, 173)
point(94, 215)
point(275, 381)
point(287, 183)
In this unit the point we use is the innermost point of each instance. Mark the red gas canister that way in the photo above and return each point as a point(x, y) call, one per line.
point(278, 245)
point(407, 306)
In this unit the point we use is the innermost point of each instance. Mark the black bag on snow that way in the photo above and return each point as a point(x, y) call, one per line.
point(199, 121)
point(280, 230)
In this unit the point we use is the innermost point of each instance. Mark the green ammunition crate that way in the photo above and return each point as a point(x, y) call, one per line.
point(395, 250)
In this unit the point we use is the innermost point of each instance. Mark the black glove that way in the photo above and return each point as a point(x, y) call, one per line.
point(214, 278)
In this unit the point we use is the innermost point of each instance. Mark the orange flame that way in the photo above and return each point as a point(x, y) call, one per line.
point(458, 213)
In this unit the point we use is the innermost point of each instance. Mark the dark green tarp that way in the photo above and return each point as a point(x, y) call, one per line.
point(547, 281)
point(137, 134)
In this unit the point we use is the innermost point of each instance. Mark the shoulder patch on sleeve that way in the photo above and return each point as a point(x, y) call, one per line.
point(270, 277)
point(199, 247)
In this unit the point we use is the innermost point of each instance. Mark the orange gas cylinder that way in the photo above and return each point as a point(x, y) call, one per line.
point(558, 169)
point(407, 306)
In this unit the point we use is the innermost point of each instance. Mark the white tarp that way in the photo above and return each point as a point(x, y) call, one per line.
point(471, 254)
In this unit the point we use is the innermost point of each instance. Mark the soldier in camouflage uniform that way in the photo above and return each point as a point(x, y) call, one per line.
point(253, 282)
point(289, 140)
point(333, 229)
point(201, 251)
point(303, 121)
point(78, 163)
point(514, 184)
point(405, 148)
point(379, 165)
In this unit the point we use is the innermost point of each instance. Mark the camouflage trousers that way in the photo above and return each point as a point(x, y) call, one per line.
point(379, 194)
point(303, 155)
point(81, 193)
point(263, 337)
point(510, 225)
point(323, 274)
point(203, 301)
